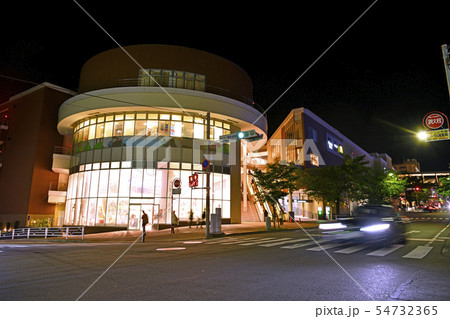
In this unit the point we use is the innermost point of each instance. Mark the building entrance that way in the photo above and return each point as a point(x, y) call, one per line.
point(135, 217)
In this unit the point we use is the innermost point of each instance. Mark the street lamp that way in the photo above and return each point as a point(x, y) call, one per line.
point(422, 136)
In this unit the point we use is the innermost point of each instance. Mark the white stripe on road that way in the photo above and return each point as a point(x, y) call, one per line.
point(263, 241)
point(303, 245)
point(324, 247)
point(385, 251)
point(419, 252)
point(284, 242)
point(224, 240)
point(435, 237)
point(351, 249)
point(244, 240)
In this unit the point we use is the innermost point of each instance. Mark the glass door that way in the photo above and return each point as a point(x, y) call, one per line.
point(134, 220)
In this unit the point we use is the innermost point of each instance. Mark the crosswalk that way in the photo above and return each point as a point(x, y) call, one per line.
point(429, 218)
point(319, 245)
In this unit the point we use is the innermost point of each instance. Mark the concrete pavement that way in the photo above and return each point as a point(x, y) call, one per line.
point(181, 233)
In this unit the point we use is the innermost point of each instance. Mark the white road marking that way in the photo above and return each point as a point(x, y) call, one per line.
point(171, 248)
point(351, 249)
point(385, 251)
point(435, 237)
point(244, 240)
point(419, 252)
point(324, 247)
point(302, 245)
point(221, 240)
point(284, 242)
point(262, 241)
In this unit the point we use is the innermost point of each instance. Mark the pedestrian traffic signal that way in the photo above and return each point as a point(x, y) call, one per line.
point(193, 180)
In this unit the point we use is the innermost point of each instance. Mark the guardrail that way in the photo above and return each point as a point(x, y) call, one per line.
point(44, 232)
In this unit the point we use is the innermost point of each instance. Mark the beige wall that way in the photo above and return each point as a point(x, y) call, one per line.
point(108, 68)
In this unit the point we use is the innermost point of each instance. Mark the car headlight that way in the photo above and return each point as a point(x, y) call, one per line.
point(375, 228)
point(331, 226)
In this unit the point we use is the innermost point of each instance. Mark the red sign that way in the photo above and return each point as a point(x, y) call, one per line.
point(176, 183)
point(433, 120)
point(193, 180)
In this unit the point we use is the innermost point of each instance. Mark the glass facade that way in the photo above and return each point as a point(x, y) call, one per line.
point(125, 163)
point(171, 78)
point(110, 130)
point(116, 197)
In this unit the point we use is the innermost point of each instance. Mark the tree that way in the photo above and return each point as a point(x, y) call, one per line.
point(382, 187)
point(275, 181)
point(335, 184)
point(444, 187)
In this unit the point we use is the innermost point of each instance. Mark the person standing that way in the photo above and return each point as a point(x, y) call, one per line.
point(174, 222)
point(144, 223)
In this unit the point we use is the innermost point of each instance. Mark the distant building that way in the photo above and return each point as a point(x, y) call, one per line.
point(408, 166)
point(28, 142)
point(307, 140)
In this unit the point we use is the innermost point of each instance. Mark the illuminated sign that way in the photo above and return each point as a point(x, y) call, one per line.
point(437, 135)
point(334, 145)
point(314, 159)
point(436, 124)
point(435, 120)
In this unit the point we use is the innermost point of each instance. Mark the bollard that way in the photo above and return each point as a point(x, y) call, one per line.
point(268, 223)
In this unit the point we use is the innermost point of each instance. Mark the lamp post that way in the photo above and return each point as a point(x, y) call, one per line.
point(208, 137)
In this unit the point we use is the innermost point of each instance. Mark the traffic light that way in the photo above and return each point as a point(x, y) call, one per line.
point(193, 180)
point(417, 189)
point(250, 136)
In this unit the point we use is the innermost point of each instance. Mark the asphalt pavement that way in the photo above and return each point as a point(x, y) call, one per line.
point(247, 263)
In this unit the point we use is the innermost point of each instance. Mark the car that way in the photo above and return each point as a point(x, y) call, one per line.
point(369, 223)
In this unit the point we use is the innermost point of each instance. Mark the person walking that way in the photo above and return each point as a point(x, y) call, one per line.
point(174, 222)
point(191, 217)
point(144, 223)
point(203, 218)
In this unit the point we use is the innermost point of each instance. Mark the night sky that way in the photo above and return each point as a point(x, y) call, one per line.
point(374, 85)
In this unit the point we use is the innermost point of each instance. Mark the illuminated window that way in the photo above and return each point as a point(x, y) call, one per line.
point(199, 131)
point(175, 129)
point(164, 128)
point(118, 128)
point(152, 128)
point(188, 130)
point(100, 131)
point(129, 128)
point(334, 145)
point(140, 127)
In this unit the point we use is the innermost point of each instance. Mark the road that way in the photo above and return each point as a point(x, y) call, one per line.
point(287, 265)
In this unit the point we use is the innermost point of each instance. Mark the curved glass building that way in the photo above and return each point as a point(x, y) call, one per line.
point(137, 129)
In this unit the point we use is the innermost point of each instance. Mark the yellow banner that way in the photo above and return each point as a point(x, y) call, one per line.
point(438, 135)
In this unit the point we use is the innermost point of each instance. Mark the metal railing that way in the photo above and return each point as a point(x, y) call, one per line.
point(62, 150)
point(207, 88)
point(22, 233)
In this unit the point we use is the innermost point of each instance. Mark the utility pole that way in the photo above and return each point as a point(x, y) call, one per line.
point(208, 137)
point(446, 64)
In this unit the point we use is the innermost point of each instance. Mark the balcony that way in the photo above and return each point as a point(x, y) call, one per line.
point(4, 124)
point(61, 160)
point(57, 193)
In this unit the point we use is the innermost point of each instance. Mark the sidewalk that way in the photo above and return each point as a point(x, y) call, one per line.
point(193, 233)
point(181, 233)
